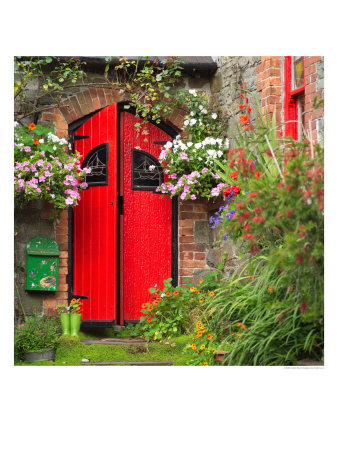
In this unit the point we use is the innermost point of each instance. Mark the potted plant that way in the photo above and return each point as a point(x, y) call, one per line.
point(36, 338)
point(75, 316)
point(70, 317)
point(63, 310)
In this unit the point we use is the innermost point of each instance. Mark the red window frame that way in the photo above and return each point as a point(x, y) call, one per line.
point(292, 100)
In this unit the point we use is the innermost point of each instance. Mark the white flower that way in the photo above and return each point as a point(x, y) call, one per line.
point(212, 153)
point(204, 111)
point(193, 92)
point(186, 123)
point(63, 141)
point(151, 168)
point(168, 144)
point(214, 116)
point(16, 124)
point(226, 143)
point(200, 107)
point(192, 121)
point(41, 141)
point(192, 113)
point(199, 158)
point(189, 144)
point(198, 145)
point(219, 153)
point(54, 147)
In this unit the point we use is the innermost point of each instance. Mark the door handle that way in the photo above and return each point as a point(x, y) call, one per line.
point(111, 203)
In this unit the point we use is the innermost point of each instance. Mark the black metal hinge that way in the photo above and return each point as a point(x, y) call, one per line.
point(160, 142)
point(78, 137)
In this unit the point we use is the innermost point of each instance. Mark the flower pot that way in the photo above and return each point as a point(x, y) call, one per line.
point(75, 323)
point(65, 323)
point(219, 355)
point(42, 355)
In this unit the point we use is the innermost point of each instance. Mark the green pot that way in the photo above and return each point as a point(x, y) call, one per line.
point(65, 323)
point(75, 323)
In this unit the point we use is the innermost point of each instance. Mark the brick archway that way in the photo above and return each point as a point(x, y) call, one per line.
point(70, 110)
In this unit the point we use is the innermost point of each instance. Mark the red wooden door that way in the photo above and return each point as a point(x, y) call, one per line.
point(95, 232)
point(127, 215)
point(146, 224)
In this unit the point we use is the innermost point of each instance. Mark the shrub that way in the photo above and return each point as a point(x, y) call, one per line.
point(36, 333)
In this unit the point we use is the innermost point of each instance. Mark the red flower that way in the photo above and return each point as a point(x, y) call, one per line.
point(258, 209)
point(249, 236)
point(241, 106)
point(32, 126)
point(281, 317)
point(253, 195)
point(242, 95)
point(244, 119)
point(269, 153)
point(149, 319)
point(279, 215)
point(299, 258)
point(247, 227)
point(303, 306)
point(280, 184)
point(234, 175)
point(249, 127)
point(246, 99)
point(280, 271)
point(258, 219)
point(36, 142)
point(290, 212)
point(240, 205)
point(258, 174)
point(249, 109)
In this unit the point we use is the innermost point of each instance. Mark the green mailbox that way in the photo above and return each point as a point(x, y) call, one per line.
point(42, 265)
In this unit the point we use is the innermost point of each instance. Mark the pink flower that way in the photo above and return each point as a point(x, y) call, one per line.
point(183, 195)
point(184, 156)
point(204, 170)
point(173, 176)
point(193, 197)
point(27, 148)
point(69, 201)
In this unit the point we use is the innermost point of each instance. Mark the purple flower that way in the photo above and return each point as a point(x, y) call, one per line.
point(230, 214)
point(27, 148)
point(204, 170)
point(226, 236)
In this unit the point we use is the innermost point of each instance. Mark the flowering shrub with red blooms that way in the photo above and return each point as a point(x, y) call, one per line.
point(44, 170)
point(279, 220)
point(201, 349)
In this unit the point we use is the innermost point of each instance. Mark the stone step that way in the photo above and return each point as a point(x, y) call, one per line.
point(127, 363)
point(115, 341)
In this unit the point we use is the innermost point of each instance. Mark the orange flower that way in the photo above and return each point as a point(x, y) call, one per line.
point(234, 175)
point(239, 334)
point(241, 106)
point(270, 289)
point(167, 294)
point(211, 294)
point(201, 300)
point(149, 319)
point(209, 337)
point(32, 126)
point(193, 346)
point(239, 324)
point(199, 334)
point(144, 305)
point(176, 292)
point(202, 347)
point(198, 323)
point(193, 289)
point(205, 364)
point(156, 302)
point(150, 308)
point(244, 119)
point(73, 301)
point(243, 326)
point(201, 280)
point(36, 142)
point(291, 288)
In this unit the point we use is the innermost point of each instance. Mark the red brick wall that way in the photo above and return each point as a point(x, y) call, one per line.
point(270, 82)
point(192, 254)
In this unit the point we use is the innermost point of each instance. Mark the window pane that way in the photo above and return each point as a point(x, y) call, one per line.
point(147, 172)
point(298, 71)
point(97, 160)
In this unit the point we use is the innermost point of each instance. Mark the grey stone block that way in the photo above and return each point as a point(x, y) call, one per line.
point(201, 232)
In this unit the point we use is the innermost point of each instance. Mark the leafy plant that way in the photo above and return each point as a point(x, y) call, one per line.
point(169, 311)
point(36, 334)
point(46, 77)
point(148, 84)
point(73, 307)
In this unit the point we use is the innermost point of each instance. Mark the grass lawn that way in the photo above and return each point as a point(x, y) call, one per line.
point(71, 351)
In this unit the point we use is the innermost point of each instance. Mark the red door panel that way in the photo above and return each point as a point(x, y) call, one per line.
point(95, 218)
point(146, 224)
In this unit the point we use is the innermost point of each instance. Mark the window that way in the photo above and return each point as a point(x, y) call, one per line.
point(97, 161)
point(147, 173)
point(294, 84)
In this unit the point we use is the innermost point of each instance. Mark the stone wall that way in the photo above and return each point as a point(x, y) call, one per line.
point(225, 86)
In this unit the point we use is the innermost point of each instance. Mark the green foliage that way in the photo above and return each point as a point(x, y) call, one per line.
point(49, 75)
point(148, 84)
point(169, 311)
point(36, 333)
point(279, 294)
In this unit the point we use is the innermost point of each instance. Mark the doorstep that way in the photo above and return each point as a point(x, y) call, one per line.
point(126, 363)
point(115, 341)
